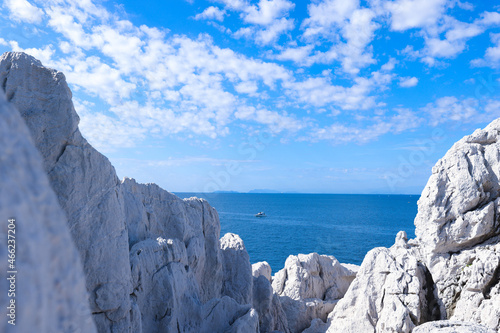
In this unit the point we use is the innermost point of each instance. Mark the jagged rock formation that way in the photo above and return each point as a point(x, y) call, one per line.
point(309, 287)
point(452, 269)
point(262, 268)
point(458, 226)
point(390, 294)
point(49, 288)
point(152, 261)
point(457, 208)
point(84, 181)
point(237, 271)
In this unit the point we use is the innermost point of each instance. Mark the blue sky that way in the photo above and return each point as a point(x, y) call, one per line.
point(322, 96)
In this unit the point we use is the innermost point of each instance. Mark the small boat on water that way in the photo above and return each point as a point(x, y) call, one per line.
point(260, 214)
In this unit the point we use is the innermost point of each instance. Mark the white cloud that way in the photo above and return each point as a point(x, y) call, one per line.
point(211, 13)
point(267, 11)
point(192, 77)
point(24, 11)
point(106, 133)
point(267, 19)
point(272, 33)
point(347, 27)
point(326, 16)
point(299, 55)
point(492, 54)
point(247, 87)
point(319, 91)
point(492, 109)
point(96, 77)
point(490, 18)
point(450, 108)
point(190, 160)
point(408, 14)
point(402, 120)
point(465, 5)
point(407, 82)
point(160, 84)
point(276, 122)
point(462, 110)
point(447, 37)
point(43, 54)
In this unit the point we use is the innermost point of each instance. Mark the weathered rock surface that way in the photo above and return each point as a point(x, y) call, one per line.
point(267, 303)
point(309, 287)
point(50, 294)
point(262, 268)
point(458, 207)
point(237, 277)
point(152, 212)
point(152, 262)
point(452, 269)
point(457, 226)
point(84, 181)
point(392, 292)
point(446, 326)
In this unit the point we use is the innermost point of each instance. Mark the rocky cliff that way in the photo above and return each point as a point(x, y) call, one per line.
point(109, 255)
point(452, 269)
point(151, 261)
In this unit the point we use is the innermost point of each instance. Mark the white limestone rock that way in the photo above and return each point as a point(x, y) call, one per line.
point(43, 99)
point(84, 181)
point(392, 293)
point(152, 261)
point(152, 212)
point(458, 207)
point(248, 323)
point(261, 268)
point(237, 278)
point(226, 315)
point(468, 284)
point(164, 288)
point(447, 326)
point(313, 276)
point(268, 306)
point(309, 287)
point(457, 226)
point(50, 294)
point(317, 326)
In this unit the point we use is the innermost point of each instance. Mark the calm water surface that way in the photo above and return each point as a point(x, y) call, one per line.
point(345, 226)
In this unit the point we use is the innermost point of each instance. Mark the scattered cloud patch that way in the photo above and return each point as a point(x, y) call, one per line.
point(492, 54)
point(409, 14)
point(211, 13)
point(24, 11)
point(450, 108)
point(402, 120)
point(266, 21)
point(319, 72)
point(408, 82)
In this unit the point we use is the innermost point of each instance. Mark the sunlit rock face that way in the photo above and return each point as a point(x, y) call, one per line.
point(457, 228)
point(49, 287)
point(152, 262)
point(309, 287)
point(449, 326)
point(452, 269)
point(393, 292)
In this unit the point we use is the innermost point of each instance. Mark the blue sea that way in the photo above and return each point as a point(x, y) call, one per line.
point(345, 226)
